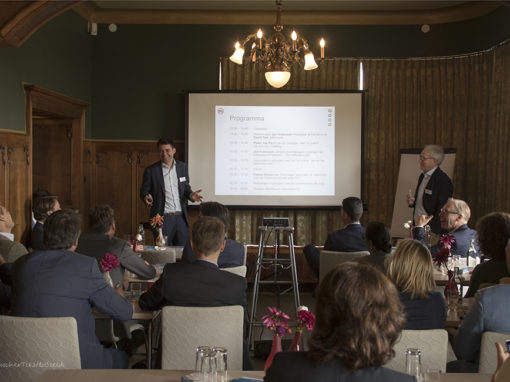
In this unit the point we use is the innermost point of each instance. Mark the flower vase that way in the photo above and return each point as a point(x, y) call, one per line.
point(277, 347)
point(450, 290)
point(108, 278)
point(297, 341)
point(160, 240)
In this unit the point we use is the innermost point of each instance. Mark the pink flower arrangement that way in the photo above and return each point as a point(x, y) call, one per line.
point(276, 320)
point(441, 257)
point(305, 319)
point(109, 262)
point(447, 240)
point(157, 221)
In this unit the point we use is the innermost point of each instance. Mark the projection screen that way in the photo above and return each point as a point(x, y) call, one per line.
point(297, 149)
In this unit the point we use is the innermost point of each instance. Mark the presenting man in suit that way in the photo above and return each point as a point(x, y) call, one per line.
point(200, 283)
point(165, 188)
point(349, 239)
point(102, 240)
point(454, 217)
point(233, 253)
point(433, 189)
point(58, 282)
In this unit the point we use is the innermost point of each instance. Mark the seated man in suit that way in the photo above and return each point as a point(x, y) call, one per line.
point(454, 217)
point(233, 253)
point(44, 206)
point(102, 240)
point(10, 250)
point(349, 239)
point(200, 283)
point(58, 282)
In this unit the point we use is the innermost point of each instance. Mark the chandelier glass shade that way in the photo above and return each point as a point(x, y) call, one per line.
point(276, 54)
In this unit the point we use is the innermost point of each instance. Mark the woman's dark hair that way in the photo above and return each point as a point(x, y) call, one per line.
point(380, 236)
point(359, 317)
point(493, 233)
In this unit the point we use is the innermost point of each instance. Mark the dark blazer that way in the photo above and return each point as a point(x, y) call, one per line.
point(296, 367)
point(60, 283)
point(154, 184)
point(377, 259)
point(424, 313)
point(36, 239)
point(463, 236)
point(232, 255)
point(436, 194)
point(96, 245)
point(195, 284)
point(349, 239)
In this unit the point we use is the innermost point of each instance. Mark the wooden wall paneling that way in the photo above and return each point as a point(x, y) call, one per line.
point(144, 158)
point(114, 185)
point(53, 159)
point(89, 184)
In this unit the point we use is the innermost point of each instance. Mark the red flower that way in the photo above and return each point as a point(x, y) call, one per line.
point(109, 262)
point(447, 240)
point(305, 319)
point(277, 320)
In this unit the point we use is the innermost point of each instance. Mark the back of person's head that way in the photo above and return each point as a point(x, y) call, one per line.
point(359, 317)
point(411, 269)
point(40, 192)
point(379, 234)
point(493, 233)
point(208, 234)
point(165, 141)
point(101, 218)
point(353, 207)
point(436, 152)
point(461, 207)
point(216, 210)
point(43, 205)
point(61, 229)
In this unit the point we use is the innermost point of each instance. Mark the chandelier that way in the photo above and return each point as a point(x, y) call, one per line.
point(276, 53)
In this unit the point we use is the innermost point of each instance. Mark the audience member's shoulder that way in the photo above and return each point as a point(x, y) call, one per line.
point(495, 292)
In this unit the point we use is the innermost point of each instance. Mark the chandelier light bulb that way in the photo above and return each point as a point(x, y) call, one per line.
point(237, 57)
point(322, 43)
point(259, 33)
point(277, 79)
point(310, 63)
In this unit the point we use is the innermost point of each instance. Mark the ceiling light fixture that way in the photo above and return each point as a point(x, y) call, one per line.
point(276, 53)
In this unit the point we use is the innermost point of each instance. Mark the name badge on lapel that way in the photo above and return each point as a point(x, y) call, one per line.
point(183, 179)
point(428, 192)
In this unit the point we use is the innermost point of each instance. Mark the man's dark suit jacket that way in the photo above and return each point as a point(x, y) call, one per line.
point(154, 184)
point(463, 236)
point(96, 245)
point(60, 283)
point(232, 255)
point(435, 195)
point(296, 367)
point(349, 239)
point(195, 284)
point(36, 239)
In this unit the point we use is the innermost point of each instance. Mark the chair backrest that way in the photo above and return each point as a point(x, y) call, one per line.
point(329, 259)
point(184, 328)
point(159, 256)
point(240, 270)
point(488, 359)
point(432, 343)
point(245, 253)
point(33, 345)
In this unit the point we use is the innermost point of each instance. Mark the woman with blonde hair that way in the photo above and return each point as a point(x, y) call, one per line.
point(411, 270)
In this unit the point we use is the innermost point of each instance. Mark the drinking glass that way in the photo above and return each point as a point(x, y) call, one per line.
point(200, 351)
point(413, 362)
point(136, 289)
point(221, 364)
point(208, 366)
point(432, 375)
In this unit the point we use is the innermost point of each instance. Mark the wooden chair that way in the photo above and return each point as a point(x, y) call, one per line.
point(36, 344)
point(432, 343)
point(184, 328)
point(329, 259)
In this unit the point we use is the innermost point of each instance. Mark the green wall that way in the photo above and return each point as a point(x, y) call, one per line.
point(136, 78)
point(141, 72)
point(56, 57)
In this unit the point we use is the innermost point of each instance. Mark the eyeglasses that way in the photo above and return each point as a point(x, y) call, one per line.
point(444, 211)
point(422, 158)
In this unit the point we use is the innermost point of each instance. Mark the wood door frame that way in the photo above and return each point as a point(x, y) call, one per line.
point(45, 101)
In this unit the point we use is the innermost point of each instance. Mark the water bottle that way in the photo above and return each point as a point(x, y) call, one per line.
point(140, 236)
point(471, 255)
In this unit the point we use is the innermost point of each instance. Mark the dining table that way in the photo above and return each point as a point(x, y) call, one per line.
point(138, 375)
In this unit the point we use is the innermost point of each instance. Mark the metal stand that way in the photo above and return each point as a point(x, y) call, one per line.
point(276, 263)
